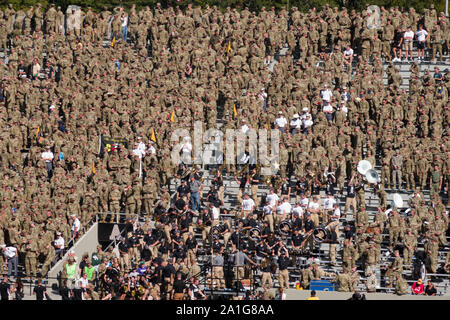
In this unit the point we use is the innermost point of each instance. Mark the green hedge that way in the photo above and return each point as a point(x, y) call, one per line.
point(254, 5)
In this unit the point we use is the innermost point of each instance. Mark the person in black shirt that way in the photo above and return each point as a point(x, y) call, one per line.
point(296, 242)
point(268, 46)
point(333, 241)
point(296, 239)
point(265, 232)
point(64, 291)
point(297, 223)
point(217, 246)
point(4, 289)
point(300, 186)
point(350, 200)
point(331, 181)
point(168, 273)
point(194, 291)
point(179, 288)
point(164, 248)
point(283, 264)
point(183, 190)
point(48, 70)
point(177, 240)
point(212, 196)
point(285, 187)
point(349, 232)
point(180, 203)
point(40, 290)
point(242, 181)
point(430, 289)
point(191, 246)
point(309, 229)
point(180, 252)
point(124, 256)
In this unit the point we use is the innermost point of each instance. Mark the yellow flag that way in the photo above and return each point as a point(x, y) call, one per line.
point(153, 138)
point(172, 117)
point(228, 47)
point(37, 131)
point(268, 126)
point(113, 42)
point(93, 167)
point(234, 111)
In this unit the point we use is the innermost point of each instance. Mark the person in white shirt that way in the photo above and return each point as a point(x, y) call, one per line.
point(314, 209)
point(141, 146)
point(334, 219)
point(263, 97)
point(186, 149)
point(328, 110)
point(75, 226)
point(48, 156)
point(298, 209)
point(83, 282)
point(151, 149)
point(307, 123)
point(295, 124)
point(304, 201)
point(272, 198)
point(326, 94)
point(12, 257)
point(328, 206)
point(124, 21)
point(422, 36)
point(215, 214)
point(59, 246)
point(305, 113)
point(280, 122)
point(244, 127)
point(138, 152)
point(283, 211)
point(268, 215)
point(408, 37)
point(343, 107)
point(348, 55)
point(247, 205)
point(36, 69)
point(345, 96)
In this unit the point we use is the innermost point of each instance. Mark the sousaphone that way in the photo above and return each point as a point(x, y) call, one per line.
point(372, 176)
point(364, 166)
point(397, 201)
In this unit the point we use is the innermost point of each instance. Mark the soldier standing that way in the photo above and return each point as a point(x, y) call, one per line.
point(396, 166)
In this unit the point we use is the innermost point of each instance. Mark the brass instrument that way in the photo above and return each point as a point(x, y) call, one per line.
point(202, 226)
point(308, 235)
point(285, 227)
point(264, 263)
point(255, 234)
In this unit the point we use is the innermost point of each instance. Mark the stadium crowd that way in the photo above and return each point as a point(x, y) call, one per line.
point(63, 88)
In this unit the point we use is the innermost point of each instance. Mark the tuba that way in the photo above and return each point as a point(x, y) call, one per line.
point(397, 201)
point(372, 176)
point(363, 167)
